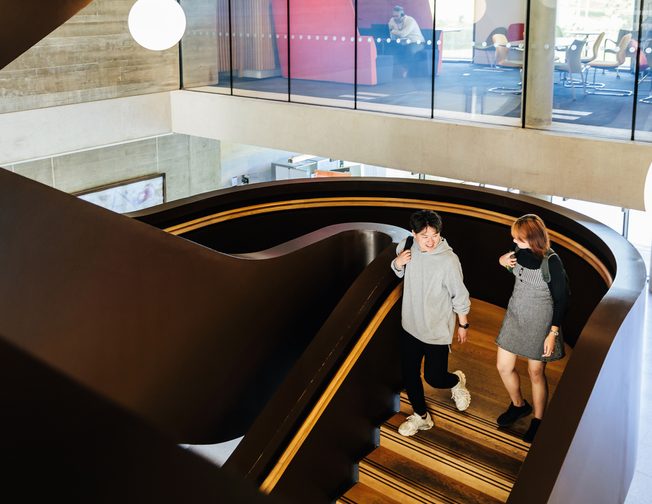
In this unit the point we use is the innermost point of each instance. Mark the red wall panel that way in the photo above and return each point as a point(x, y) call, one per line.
point(321, 42)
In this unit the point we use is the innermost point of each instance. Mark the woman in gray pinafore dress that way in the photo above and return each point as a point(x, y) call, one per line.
point(532, 324)
point(527, 320)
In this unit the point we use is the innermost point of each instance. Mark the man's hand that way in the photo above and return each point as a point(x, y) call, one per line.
point(462, 334)
point(403, 258)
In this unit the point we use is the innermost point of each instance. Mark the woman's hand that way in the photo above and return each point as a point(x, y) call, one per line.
point(508, 260)
point(462, 335)
point(403, 258)
point(549, 344)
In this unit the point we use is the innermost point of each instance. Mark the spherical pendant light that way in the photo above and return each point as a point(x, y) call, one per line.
point(157, 24)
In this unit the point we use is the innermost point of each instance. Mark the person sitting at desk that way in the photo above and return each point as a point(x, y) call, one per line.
point(409, 40)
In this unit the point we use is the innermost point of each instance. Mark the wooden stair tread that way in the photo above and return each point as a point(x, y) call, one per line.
point(465, 457)
point(391, 473)
point(462, 449)
point(475, 426)
point(363, 494)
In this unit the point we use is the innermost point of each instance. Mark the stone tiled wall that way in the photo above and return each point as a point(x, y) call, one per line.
point(91, 57)
point(191, 165)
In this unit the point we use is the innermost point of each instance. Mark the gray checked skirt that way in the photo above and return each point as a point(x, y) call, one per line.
point(528, 317)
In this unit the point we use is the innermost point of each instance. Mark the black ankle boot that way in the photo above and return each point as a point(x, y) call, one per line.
point(513, 413)
point(528, 437)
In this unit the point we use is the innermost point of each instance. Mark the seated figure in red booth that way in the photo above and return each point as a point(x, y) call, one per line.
point(407, 41)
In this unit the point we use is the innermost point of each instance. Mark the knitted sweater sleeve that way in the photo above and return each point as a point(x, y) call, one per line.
point(557, 286)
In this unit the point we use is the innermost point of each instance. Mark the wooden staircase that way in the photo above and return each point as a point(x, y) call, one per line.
point(464, 458)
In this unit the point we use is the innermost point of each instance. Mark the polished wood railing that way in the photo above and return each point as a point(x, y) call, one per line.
point(174, 334)
point(474, 221)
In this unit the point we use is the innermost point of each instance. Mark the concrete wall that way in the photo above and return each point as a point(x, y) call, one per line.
point(254, 162)
point(91, 57)
point(611, 172)
point(52, 131)
point(191, 165)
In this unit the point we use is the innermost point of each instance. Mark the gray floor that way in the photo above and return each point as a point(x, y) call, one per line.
point(640, 492)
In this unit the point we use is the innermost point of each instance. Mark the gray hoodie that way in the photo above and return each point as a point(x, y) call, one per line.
point(433, 291)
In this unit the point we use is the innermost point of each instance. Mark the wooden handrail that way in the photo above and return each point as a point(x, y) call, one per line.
point(302, 433)
point(467, 210)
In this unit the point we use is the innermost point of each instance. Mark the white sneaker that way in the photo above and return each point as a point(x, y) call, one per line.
point(459, 392)
point(415, 423)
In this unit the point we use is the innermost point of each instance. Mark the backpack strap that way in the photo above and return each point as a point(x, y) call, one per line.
point(545, 267)
point(408, 242)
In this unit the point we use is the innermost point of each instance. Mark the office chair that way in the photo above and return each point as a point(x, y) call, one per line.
point(516, 32)
point(621, 55)
point(572, 65)
point(594, 50)
point(500, 42)
point(614, 50)
point(616, 43)
point(645, 70)
point(488, 46)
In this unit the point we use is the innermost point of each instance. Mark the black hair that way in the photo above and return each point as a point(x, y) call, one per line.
point(398, 8)
point(422, 219)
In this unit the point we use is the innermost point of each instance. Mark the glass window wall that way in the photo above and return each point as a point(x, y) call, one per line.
point(396, 51)
point(205, 46)
point(644, 104)
point(259, 28)
point(481, 67)
point(322, 52)
point(469, 67)
point(595, 67)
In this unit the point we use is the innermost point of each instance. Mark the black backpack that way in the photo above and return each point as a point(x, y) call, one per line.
point(545, 270)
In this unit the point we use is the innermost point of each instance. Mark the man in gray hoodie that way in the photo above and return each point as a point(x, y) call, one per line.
point(433, 293)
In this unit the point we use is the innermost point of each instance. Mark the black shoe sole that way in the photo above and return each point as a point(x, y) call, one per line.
point(520, 415)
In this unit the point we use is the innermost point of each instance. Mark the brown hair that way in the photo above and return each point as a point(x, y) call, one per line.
point(531, 229)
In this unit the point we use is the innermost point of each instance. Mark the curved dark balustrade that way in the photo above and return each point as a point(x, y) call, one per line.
point(604, 324)
point(62, 441)
point(133, 315)
point(477, 239)
point(155, 323)
point(282, 415)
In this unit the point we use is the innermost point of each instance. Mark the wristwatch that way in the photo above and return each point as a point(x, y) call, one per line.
point(464, 326)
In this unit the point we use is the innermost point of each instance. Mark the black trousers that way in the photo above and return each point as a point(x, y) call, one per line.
point(435, 369)
point(408, 56)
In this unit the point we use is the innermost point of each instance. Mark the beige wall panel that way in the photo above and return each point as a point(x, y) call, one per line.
point(57, 130)
point(611, 172)
point(39, 170)
point(177, 178)
point(90, 57)
point(93, 168)
point(173, 161)
point(204, 164)
point(191, 165)
point(254, 162)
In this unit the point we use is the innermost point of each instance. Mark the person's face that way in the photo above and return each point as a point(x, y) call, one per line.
point(396, 15)
point(520, 243)
point(427, 239)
